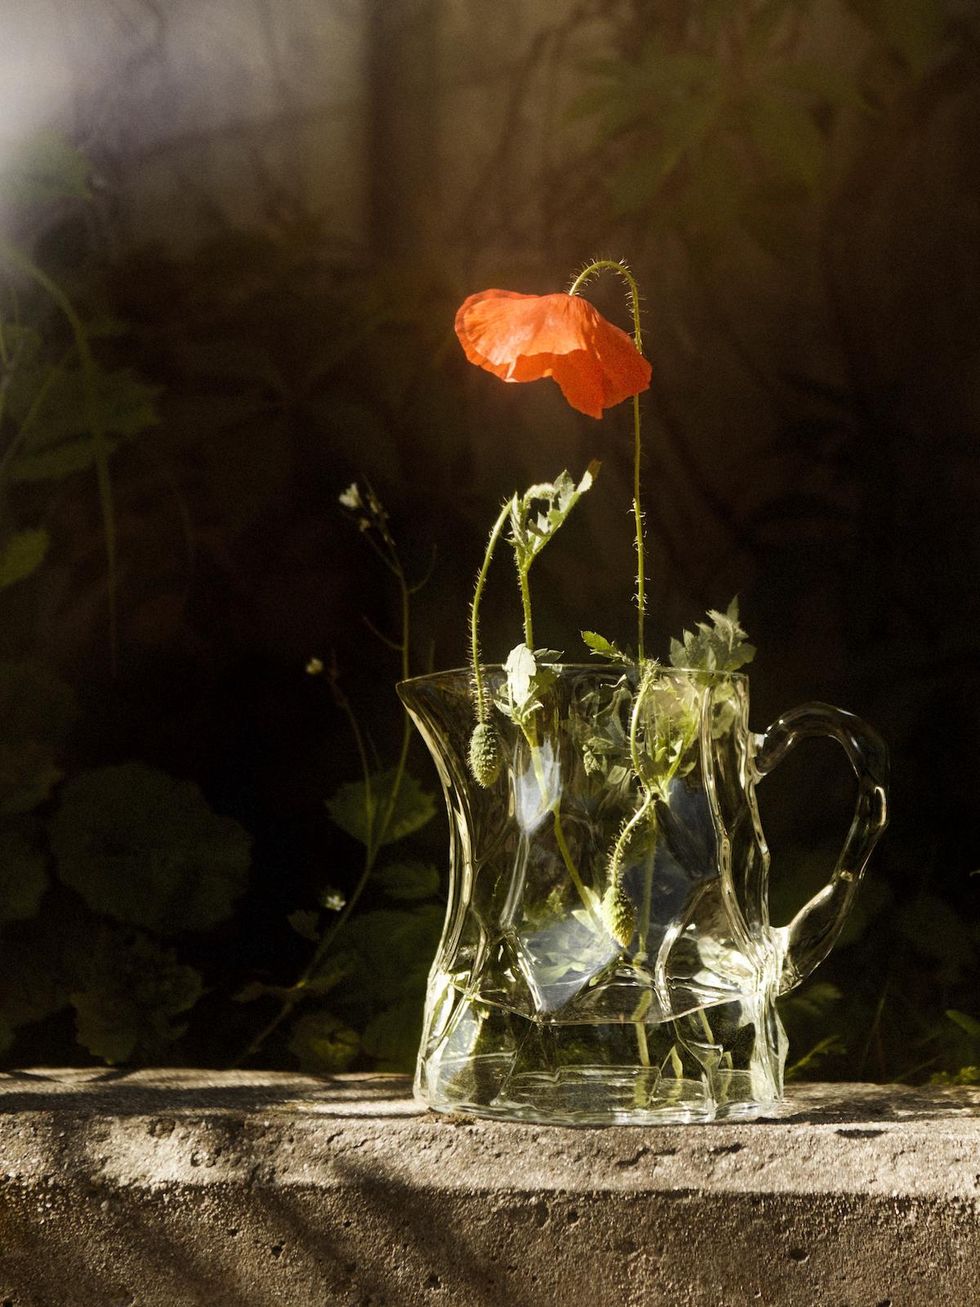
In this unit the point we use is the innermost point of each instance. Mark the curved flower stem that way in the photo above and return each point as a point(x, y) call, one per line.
point(478, 690)
point(633, 302)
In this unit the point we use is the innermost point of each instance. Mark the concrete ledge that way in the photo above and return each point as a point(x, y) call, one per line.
point(172, 1188)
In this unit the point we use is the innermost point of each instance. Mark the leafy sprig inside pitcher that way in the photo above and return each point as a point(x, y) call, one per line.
point(644, 730)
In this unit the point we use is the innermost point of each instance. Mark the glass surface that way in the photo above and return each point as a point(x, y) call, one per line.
point(607, 955)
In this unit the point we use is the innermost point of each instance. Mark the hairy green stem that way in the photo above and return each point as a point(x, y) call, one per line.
point(633, 302)
point(478, 688)
point(522, 575)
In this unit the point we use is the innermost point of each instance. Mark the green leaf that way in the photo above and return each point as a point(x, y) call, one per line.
point(334, 971)
point(718, 647)
point(392, 1037)
point(145, 848)
point(130, 992)
point(824, 82)
point(322, 1043)
point(394, 951)
point(914, 29)
point(965, 1022)
point(125, 405)
point(966, 1075)
point(61, 431)
point(56, 464)
point(598, 644)
point(305, 924)
point(528, 681)
point(789, 139)
point(409, 880)
point(531, 526)
point(32, 983)
point(681, 129)
point(36, 713)
point(936, 931)
point(22, 554)
point(823, 1048)
point(45, 167)
point(23, 876)
point(375, 817)
point(815, 1002)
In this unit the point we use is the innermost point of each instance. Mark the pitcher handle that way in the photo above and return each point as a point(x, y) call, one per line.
point(811, 934)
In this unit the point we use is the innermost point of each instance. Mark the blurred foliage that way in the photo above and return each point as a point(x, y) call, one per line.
point(171, 445)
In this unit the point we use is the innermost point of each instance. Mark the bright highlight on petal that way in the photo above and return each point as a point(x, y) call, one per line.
point(526, 337)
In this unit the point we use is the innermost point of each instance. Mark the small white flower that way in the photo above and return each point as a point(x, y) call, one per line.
point(351, 497)
point(334, 900)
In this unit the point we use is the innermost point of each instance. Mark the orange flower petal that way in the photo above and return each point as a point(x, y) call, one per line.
point(526, 337)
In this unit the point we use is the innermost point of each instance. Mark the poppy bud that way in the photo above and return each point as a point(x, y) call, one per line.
point(485, 757)
point(619, 915)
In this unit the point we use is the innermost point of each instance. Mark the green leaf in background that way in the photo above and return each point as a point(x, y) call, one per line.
point(394, 951)
point(23, 875)
point(392, 1037)
point(62, 461)
point(32, 984)
point(130, 992)
point(823, 1048)
point(814, 1002)
point(681, 129)
point(45, 167)
point(322, 1043)
point(305, 924)
point(913, 29)
point(789, 139)
point(52, 405)
point(965, 1022)
point(409, 880)
point(126, 405)
point(371, 823)
point(936, 931)
point(36, 713)
point(146, 849)
point(22, 554)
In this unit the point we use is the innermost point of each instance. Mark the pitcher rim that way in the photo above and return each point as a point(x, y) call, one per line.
point(428, 678)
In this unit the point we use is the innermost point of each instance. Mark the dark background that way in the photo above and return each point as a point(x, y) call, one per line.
point(272, 218)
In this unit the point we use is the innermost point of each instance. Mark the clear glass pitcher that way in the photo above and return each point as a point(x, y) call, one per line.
point(607, 955)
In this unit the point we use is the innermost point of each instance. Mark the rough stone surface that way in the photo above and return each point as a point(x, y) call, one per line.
point(166, 1189)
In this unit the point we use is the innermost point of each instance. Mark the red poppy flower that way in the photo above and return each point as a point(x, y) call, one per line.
point(526, 337)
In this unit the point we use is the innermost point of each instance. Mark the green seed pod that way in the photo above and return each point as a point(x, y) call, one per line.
point(619, 915)
point(485, 759)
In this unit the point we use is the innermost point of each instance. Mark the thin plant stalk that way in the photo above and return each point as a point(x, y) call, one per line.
point(377, 824)
point(633, 300)
point(525, 584)
point(478, 687)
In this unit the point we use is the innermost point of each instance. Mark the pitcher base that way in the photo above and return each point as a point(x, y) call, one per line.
point(600, 1095)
